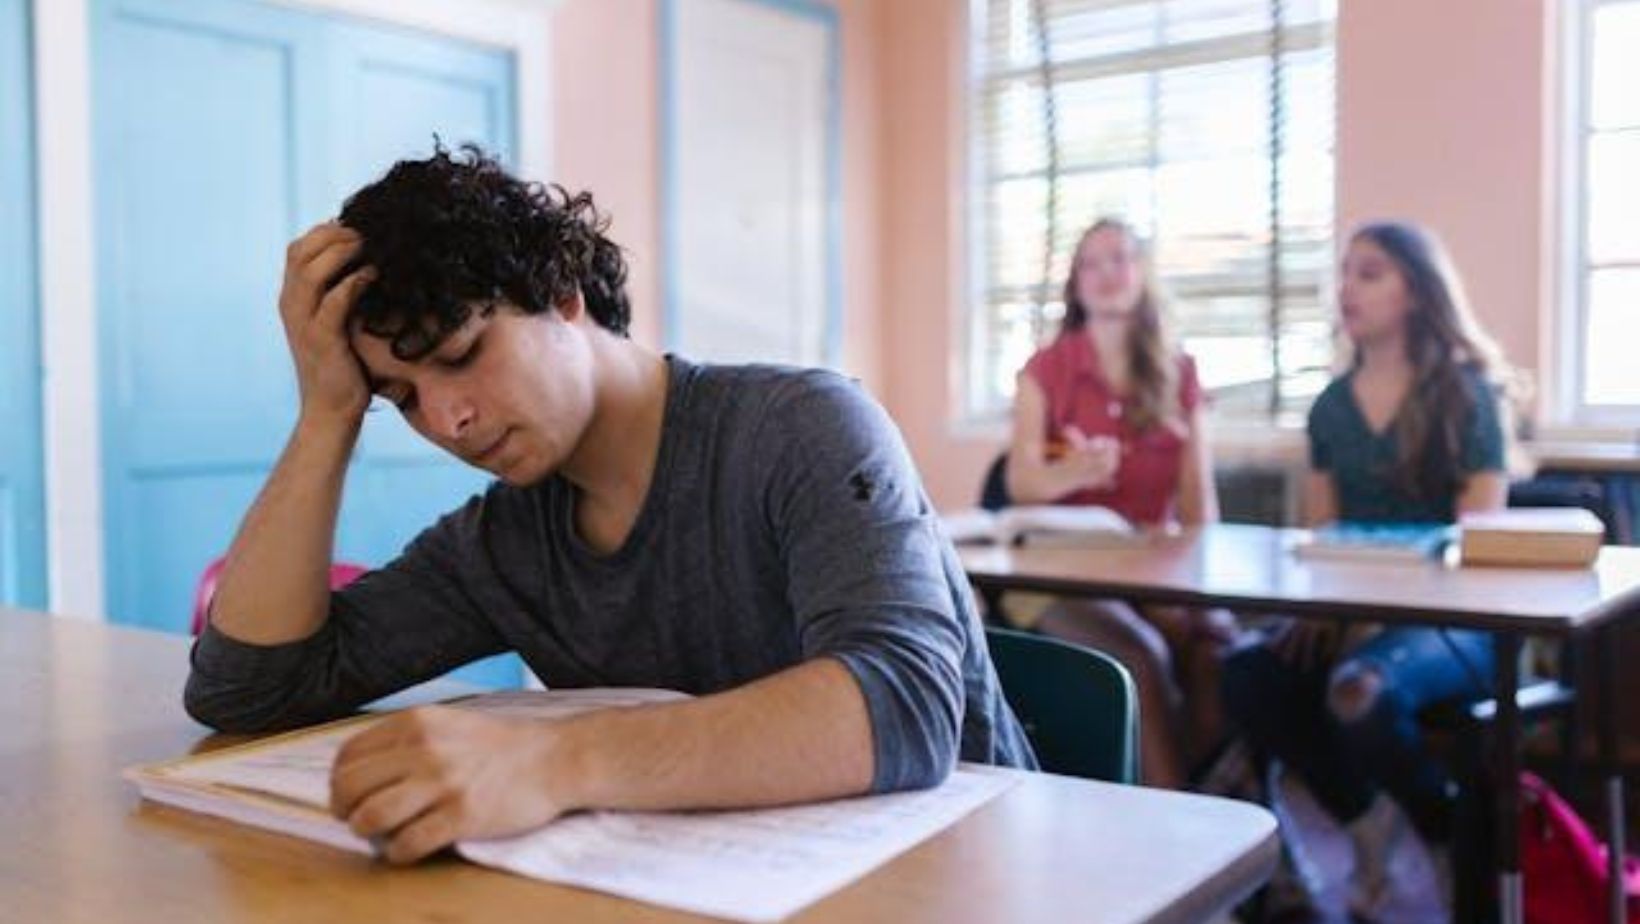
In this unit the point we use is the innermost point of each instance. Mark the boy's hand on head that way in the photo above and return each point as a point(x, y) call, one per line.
point(419, 781)
point(315, 312)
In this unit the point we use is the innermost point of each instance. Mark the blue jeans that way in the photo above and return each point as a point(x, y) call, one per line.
point(1283, 710)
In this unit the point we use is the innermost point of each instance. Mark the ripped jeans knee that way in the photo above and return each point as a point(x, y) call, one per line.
point(1353, 690)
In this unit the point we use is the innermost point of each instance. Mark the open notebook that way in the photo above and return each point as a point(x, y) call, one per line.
point(1041, 525)
point(754, 865)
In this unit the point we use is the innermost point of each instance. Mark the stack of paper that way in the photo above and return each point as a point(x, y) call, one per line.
point(779, 860)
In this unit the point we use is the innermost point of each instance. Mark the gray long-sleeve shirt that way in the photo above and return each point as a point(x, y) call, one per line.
point(785, 522)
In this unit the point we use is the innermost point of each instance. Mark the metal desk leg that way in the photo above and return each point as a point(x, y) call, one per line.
point(1506, 773)
point(1611, 768)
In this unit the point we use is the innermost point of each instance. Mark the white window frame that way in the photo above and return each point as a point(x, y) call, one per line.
point(1568, 405)
point(965, 420)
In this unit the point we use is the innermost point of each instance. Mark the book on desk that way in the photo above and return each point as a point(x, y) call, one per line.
point(1365, 541)
point(1543, 537)
point(1540, 537)
point(749, 865)
point(1043, 525)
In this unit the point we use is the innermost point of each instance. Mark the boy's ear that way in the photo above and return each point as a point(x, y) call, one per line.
point(571, 308)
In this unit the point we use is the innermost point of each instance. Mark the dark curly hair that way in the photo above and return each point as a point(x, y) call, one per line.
point(447, 233)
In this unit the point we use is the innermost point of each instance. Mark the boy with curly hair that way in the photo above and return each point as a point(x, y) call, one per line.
point(753, 535)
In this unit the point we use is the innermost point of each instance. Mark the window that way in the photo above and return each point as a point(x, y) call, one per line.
point(1208, 125)
point(1605, 215)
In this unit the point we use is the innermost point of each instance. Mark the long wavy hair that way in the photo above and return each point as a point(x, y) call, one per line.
point(1153, 364)
point(1442, 341)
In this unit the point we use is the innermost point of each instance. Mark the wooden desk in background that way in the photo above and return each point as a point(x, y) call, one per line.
point(1586, 457)
point(79, 701)
point(1253, 569)
point(1611, 470)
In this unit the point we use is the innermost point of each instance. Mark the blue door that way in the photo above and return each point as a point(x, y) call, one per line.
point(224, 129)
point(22, 507)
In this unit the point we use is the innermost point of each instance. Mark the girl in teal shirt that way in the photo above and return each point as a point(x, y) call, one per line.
point(1411, 433)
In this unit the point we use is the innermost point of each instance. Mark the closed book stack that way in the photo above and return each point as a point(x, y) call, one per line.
point(1547, 537)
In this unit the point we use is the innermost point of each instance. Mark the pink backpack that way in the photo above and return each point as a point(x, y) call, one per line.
point(1563, 865)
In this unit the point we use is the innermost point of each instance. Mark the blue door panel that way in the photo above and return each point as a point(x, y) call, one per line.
point(387, 509)
point(199, 513)
point(400, 88)
point(197, 194)
point(200, 282)
point(22, 505)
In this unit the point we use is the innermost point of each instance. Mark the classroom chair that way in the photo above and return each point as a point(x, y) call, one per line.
point(1078, 706)
point(341, 574)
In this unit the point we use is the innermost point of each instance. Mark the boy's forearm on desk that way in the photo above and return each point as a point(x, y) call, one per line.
point(801, 735)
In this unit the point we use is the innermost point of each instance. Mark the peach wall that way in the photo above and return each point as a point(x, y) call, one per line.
point(606, 85)
point(925, 290)
point(606, 131)
point(865, 349)
point(1445, 116)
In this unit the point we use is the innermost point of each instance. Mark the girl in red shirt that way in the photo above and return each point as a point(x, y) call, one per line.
point(1110, 413)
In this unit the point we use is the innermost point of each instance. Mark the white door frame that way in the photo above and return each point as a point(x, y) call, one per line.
point(66, 231)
